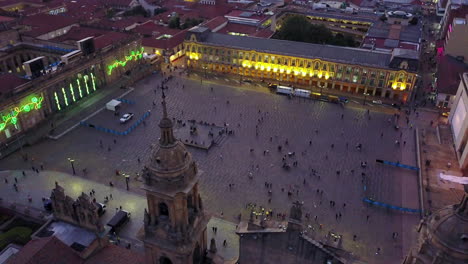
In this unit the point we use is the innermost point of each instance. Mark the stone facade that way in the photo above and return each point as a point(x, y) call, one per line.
point(175, 222)
point(81, 212)
point(268, 241)
point(443, 236)
point(392, 75)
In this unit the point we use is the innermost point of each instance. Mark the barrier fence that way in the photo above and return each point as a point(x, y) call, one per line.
point(115, 132)
point(389, 206)
point(397, 164)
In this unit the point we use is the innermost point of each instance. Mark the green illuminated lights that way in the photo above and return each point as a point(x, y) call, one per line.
point(65, 96)
point(57, 101)
point(12, 117)
point(94, 82)
point(86, 83)
point(134, 55)
point(72, 92)
point(79, 88)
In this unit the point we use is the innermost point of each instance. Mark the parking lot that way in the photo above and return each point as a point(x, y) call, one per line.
point(323, 137)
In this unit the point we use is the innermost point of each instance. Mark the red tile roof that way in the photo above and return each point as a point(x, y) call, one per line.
point(165, 43)
point(113, 254)
point(10, 81)
point(49, 250)
point(154, 30)
point(122, 24)
point(109, 39)
point(6, 19)
point(42, 23)
point(356, 2)
point(78, 33)
point(215, 22)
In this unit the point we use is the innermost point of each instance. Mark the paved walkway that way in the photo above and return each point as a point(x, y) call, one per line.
point(310, 127)
point(40, 185)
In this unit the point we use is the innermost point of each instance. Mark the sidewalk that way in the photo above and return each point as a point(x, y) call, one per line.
point(438, 193)
point(40, 185)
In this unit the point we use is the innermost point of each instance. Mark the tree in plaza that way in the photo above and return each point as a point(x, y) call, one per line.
point(294, 28)
point(298, 28)
point(191, 22)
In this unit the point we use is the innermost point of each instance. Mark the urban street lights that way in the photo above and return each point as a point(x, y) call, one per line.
point(365, 96)
point(73, 166)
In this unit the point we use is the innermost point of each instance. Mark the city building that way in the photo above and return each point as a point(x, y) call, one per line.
point(458, 120)
point(175, 222)
point(443, 236)
point(65, 76)
point(382, 74)
point(456, 39)
point(449, 70)
point(385, 36)
point(74, 236)
point(456, 9)
point(284, 242)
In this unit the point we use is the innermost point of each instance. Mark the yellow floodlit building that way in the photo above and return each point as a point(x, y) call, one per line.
point(379, 73)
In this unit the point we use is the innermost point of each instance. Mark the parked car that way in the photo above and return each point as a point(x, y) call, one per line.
point(377, 102)
point(126, 117)
point(272, 86)
point(247, 81)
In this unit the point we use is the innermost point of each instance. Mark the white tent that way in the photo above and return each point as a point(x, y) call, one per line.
point(113, 105)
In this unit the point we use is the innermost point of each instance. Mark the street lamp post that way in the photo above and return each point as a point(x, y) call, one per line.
point(365, 96)
point(72, 161)
point(127, 179)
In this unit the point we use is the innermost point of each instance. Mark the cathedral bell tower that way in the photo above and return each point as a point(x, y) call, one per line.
point(175, 223)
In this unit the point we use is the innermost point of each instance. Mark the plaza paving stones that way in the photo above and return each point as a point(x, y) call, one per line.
point(262, 121)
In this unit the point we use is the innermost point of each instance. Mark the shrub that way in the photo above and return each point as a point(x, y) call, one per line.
point(19, 235)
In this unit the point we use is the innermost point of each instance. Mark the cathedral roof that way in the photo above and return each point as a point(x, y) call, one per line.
point(449, 228)
point(170, 163)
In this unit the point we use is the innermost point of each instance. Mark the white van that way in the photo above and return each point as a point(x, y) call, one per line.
point(284, 90)
point(302, 93)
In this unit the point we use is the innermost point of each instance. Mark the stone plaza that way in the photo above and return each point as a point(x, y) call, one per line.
point(245, 170)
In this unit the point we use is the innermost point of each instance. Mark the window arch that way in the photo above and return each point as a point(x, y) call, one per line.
point(163, 209)
point(164, 260)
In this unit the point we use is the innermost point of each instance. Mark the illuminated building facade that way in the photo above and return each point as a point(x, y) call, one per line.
point(383, 74)
point(25, 103)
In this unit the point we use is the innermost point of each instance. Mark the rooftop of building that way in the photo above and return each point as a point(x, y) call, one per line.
point(193, 10)
point(380, 59)
point(102, 38)
point(410, 33)
point(165, 43)
point(69, 234)
point(39, 251)
point(123, 23)
point(448, 74)
point(154, 30)
point(249, 30)
point(42, 23)
point(85, 10)
point(9, 82)
point(215, 22)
